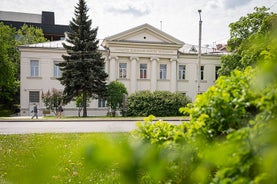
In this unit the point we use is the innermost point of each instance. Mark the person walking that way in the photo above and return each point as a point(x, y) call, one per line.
point(60, 111)
point(35, 111)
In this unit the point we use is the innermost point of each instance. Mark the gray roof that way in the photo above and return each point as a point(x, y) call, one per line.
point(193, 49)
point(53, 44)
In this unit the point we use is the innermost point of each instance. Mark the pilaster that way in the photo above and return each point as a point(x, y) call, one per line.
point(154, 73)
point(133, 85)
point(173, 75)
point(113, 68)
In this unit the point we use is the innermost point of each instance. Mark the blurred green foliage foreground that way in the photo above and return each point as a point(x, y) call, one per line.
point(231, 138)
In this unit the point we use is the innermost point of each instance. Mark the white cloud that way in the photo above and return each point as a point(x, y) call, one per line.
point(226, 4)
point(213, 4)
point(130, 9)
point(231, 4)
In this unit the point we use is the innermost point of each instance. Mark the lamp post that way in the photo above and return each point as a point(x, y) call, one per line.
point(199, 54)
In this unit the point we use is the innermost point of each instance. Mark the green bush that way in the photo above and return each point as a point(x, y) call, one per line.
point(159, 132)
point(225, 107)
point(158, 103)
point(115, 97)
point(4, 113)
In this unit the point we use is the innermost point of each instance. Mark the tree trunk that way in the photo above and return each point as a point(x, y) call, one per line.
point(79, 111)
point(85, 104)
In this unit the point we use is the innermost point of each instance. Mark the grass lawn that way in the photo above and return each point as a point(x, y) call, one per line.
point(61, 158)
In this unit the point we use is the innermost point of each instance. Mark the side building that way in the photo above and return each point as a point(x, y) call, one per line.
point(142, 58)
point(45, 21)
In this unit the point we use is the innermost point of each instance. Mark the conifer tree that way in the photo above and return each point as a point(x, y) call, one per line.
point(83, 66)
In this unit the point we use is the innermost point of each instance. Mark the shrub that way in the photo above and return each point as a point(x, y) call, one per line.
point(158, 132)
point(4, 113)
point(115, 97)
point(158, 103)
point(226, 106)
point(52, 100)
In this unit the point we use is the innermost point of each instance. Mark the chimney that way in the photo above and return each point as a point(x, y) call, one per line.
point(48, 18)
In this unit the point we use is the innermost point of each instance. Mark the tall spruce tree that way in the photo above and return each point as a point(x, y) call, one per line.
point(83, 66)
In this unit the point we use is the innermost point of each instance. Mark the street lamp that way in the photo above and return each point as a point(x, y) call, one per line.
point(199, 54)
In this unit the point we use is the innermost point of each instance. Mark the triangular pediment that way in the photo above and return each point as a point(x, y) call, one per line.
point(144, 34)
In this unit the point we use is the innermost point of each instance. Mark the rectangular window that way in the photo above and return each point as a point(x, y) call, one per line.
point(182, 72)
point(34, 96)
point(216, 71)
point(143, 71)
point(163, 71)
point(122, 70)
point(57, 71)
point(34, 68)
point(202, 73)
point(101, 102)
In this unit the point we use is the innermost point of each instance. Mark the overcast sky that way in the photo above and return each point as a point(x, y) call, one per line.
point(179, 18)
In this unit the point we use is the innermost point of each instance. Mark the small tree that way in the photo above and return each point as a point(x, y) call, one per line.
point(116, 91)
point(79, 104)
point(52, 100)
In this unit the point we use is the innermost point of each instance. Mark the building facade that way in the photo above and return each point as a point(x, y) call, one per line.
point(45, 21)
point(142, 58)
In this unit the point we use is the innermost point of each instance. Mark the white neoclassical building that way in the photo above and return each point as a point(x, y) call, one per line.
point(142, 58)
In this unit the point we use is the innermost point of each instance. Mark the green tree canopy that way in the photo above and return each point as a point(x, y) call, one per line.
point(255, 22)
point(246, 35)
point(83, 66)
point(29, 35)
point(10, 61)
point(8, 82)
point(115, 93)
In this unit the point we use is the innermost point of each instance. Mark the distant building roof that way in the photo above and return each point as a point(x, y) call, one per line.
point(20, 17)
point(45, 21)
point(53, 44)
point(46, 28)
point(193, 49)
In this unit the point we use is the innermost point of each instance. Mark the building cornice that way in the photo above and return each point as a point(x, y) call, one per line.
point(165, 36)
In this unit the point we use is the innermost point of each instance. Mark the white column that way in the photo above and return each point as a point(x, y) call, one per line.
point(133, 75)
point(173, 75)
point(107, 64)
point(154, 73)
point(113, 68)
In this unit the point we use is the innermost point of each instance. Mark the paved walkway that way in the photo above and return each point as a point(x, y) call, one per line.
point(27, 126)
point(22, 127)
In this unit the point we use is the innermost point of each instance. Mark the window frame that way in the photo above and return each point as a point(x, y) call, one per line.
point(143, 71)
point(34, 95)
point(216, 71)
point(122, 71)
point(182, 73)
point(56, 69)
point(202, 68)
point(163, 72)
point(102, 103)
point(34, 68)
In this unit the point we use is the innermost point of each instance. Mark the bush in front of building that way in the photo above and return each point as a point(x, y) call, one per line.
point(52, 99)
point(158, 103)
point(116, 97)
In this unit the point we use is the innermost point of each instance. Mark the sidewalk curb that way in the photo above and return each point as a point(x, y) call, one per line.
point(89, 119)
